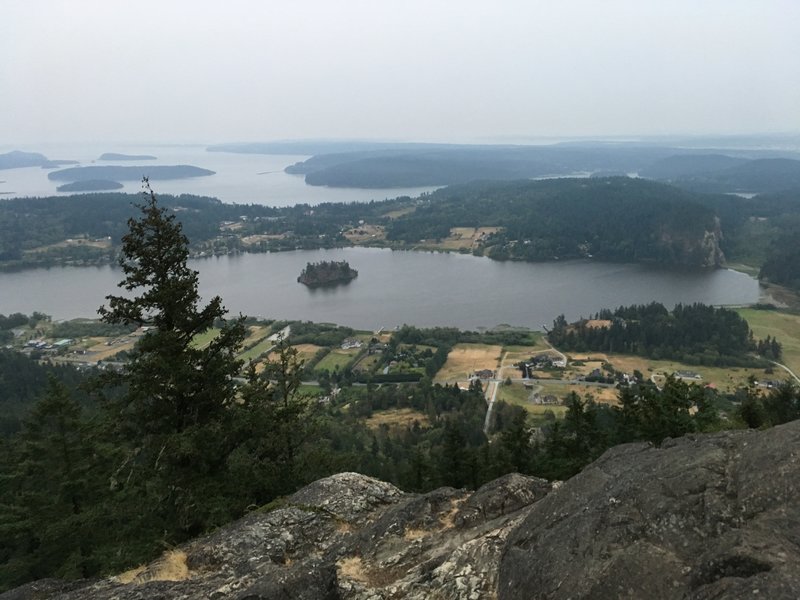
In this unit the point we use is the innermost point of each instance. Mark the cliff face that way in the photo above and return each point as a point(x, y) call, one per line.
point(701, 517)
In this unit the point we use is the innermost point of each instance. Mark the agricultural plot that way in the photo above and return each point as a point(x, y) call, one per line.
point(465, 359)
point(204, 339)
point(396, 418)
point(256, 351)
point(337, 358)
point(783, 326)
point(518, 395)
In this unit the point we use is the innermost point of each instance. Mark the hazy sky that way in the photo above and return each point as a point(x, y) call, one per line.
point(236, 70)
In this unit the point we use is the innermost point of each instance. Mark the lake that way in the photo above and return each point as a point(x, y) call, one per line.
point(419, 288)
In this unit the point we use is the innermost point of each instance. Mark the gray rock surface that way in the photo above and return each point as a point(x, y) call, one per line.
point(702, 517)
point(343, 537)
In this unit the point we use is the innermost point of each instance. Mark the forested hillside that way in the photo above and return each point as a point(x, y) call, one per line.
point(609, 218)
point(693, 334)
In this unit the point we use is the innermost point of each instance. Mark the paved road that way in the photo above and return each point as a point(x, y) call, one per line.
point(788, 370)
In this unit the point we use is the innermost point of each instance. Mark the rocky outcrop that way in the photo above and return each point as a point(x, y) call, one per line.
point(344, 537)
point(702, 517)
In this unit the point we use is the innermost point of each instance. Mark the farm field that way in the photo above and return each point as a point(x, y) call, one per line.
point(337, 358)
point(465, 359)
point(204, 339)
point(396, 418)
point(516, 394)
point(257, 350)
point(465, 238)
point(781, 325)
point(305, 352)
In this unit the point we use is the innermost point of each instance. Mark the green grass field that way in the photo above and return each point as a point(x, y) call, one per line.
point(781, 325)
point(518, 395)
point(257, 350)
point(204, 339)
point(336, 358)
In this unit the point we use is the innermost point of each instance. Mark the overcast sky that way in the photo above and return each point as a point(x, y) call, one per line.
point(428, 70)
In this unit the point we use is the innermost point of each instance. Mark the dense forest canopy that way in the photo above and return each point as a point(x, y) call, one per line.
point(693, 334)
point(610, 218)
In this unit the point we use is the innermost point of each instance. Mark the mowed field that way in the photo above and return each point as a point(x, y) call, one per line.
point(396, 418)
point(465, 237)
point(783, 326)
point(518, 395)
point(337, 358)
point(465, 359)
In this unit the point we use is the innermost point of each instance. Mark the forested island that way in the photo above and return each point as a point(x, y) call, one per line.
point(117, 156)
point(408, 165)
point(90, 185)
point(115, 173)
point(327, 273)
point(17, 159)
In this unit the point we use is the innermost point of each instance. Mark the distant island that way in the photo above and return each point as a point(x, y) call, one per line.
point(327, 273)
point(116, 156)
point(17, 159)
point(90, 185)
point(113, 173)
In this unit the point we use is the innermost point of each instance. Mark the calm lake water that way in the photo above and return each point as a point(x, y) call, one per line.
point(424, 289)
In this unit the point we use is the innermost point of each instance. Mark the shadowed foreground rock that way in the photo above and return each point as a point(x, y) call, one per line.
point(344, 537)
point(702, 517)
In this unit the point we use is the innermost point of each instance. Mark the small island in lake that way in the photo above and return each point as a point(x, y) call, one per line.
point(327, 273)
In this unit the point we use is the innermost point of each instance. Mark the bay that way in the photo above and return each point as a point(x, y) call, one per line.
point(417, 288)
point(239, 178)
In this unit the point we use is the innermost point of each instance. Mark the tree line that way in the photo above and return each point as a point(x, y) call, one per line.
point(690, 333)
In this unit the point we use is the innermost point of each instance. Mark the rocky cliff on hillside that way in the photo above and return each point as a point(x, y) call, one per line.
point(701, 517)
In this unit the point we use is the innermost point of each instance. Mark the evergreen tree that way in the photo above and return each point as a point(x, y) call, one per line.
point(174, 414)
point(48, 488)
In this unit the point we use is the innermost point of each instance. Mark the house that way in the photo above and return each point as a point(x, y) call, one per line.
point(349, 343)
point(485, 374)
point(688, 375)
